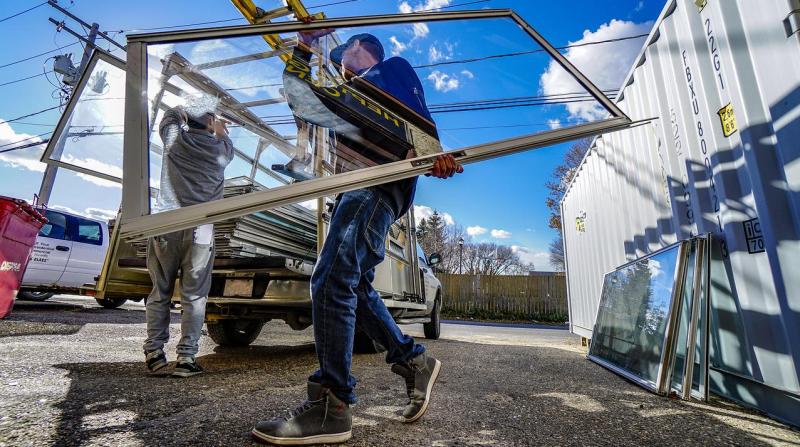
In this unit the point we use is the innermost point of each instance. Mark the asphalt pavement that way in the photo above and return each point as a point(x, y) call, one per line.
point(72, 373)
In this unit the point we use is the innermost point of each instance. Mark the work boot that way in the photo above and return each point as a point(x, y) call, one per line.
point(420, 374)
point(155, 360)
point(322, 419)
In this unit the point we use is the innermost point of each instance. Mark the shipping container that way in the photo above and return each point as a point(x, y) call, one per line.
point(721, 80)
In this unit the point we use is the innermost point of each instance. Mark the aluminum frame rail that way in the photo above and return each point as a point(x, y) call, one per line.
point(138, 223)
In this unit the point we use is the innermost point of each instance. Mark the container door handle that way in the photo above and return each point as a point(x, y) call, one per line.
point(62, 248)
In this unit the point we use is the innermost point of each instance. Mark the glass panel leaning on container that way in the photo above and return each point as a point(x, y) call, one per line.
point(652, 323)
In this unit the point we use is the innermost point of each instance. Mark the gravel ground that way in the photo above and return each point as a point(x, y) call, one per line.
point(71, 373)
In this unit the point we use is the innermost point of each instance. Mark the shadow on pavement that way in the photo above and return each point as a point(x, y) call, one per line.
point(486, 396)
point(59, 318)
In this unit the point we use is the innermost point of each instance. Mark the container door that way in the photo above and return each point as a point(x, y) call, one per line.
point(50, 253)
point(88, 252)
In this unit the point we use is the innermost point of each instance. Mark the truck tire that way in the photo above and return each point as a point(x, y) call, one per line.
point(32, 295)
point(235, 332)
point(362, 344)
point(111, 303)
point(434, 328)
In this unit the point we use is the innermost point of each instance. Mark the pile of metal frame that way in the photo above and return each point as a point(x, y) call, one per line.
point(286, 231)
point(652, 325)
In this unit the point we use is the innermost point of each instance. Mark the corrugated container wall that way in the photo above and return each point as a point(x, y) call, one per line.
point(722, 79)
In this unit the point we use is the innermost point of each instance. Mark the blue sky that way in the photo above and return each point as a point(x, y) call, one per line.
point(500, 200)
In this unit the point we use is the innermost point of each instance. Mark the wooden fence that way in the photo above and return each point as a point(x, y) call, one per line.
point(534, 297)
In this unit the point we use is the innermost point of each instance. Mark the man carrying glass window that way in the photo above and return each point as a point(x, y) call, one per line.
point(341, 289)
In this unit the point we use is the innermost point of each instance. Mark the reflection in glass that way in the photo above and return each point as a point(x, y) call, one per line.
point(633, 315)
point(92, 136)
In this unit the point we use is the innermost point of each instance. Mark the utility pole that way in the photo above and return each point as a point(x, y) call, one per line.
point(49, 178)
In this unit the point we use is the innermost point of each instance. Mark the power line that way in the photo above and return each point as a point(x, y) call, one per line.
point(453, 6)
point(25, 139)
point(521, 53)
point(23, 12)
point(37, 55)
point(330, 4)
point(25, 79)
point(29, 115)
point(233, 19)
point(24, 146)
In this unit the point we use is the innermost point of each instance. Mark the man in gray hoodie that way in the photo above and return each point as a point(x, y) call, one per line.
point(196, 151)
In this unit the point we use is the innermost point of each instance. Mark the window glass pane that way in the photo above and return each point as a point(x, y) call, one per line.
point(56, 226)
point(92, 138)
point(89, 232)
point(388, 93)
point(633, 314)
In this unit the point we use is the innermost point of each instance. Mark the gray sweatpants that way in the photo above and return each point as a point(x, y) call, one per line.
point(193, 255)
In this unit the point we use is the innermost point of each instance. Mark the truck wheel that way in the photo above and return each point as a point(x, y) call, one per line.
point(32, 295)
point(235, 332)
point(362, 344)
point(111, 303)
point(433, 329)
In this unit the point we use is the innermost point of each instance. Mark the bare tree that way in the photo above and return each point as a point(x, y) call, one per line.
point(557, 186)
point(557, 253)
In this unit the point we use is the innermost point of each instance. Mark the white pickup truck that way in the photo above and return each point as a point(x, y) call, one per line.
point(68, 255)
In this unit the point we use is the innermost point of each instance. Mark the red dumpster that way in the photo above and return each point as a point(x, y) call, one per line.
point(19, 225)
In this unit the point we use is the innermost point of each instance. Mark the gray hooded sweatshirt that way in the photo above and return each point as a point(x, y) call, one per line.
point(193, 165)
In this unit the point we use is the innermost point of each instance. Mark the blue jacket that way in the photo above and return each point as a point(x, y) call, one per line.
point(394, 76)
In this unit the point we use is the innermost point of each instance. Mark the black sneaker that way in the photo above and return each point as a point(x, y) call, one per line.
point(322, 419)
point(187, 367)
point(155, 360)
point(420, 374)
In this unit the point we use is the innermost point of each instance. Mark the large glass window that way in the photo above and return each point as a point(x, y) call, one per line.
point(90, 135)
point(358, 96)
point(635, 308)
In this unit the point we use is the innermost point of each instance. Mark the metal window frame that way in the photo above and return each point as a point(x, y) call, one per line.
point(699, 319)
point(136, 221)
point(662, 377)
point(64, 119)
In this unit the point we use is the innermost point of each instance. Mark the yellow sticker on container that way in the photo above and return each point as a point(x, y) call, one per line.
point(728, 120)
point(700, 4)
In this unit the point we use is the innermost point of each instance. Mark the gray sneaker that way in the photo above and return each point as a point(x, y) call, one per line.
point(322, 419)
point(420, 374)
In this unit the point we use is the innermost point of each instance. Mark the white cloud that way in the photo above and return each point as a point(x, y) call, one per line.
point(443, 52)
point(477, 230)
point(443, 82)
point(397, 46)
point(27, 158)
point(434, 55)
point(92, 213)
point(467, 74)
point(539, 259)
point(554, 124)
point(606, 65)
point(420, 30)
point(95, 165)
point(639, 6)
point(424, 212)
point(500, 234)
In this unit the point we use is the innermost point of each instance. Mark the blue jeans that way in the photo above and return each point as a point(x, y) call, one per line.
point(342, 292)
